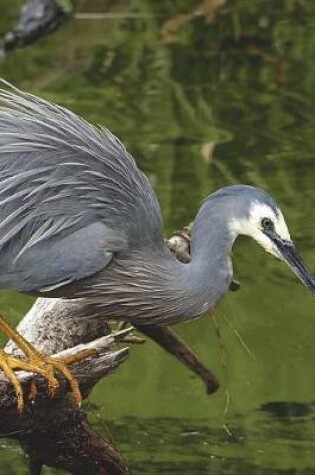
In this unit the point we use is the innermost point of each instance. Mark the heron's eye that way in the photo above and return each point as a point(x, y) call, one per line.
point(267, 224)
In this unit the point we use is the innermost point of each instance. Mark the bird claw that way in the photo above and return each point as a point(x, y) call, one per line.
point(10, 374)
point(32, 395)
point(47, 367)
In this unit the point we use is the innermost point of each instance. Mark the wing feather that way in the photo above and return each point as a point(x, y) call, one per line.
point(60, 177)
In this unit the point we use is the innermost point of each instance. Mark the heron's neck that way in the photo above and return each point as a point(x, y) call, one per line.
point(149, 285)
point(210, 269)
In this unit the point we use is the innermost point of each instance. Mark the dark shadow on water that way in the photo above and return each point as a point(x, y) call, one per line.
point(288, 409)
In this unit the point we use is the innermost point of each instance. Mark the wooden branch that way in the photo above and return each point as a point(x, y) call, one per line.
point(53, 431)
point(70, 444)
point(88, 372)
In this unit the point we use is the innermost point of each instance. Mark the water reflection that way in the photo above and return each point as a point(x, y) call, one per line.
point(259, 445)
point(238, 90)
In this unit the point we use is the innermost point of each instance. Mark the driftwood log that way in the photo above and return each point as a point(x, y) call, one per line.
point(54, 432)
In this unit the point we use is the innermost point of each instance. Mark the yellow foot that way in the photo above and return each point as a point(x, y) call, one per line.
point(46, 366)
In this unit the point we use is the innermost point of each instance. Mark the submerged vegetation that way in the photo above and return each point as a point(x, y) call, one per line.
point(204, 93)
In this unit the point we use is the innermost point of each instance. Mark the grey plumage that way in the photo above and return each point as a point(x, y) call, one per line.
point(78, 219)
point(65, 184)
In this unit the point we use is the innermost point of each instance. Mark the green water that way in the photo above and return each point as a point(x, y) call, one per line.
point(212, 101)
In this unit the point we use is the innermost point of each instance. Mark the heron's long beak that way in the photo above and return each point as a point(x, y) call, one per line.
point(290, 256)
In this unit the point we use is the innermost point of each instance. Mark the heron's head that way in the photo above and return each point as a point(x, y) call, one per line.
point(260, 218)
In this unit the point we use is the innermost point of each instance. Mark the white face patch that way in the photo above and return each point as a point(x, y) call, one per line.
point(252, 226)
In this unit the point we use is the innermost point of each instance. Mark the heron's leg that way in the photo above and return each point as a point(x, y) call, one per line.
point(169, 341)
point(44, 365)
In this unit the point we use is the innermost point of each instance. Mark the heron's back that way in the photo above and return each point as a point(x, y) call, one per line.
point(70, 195)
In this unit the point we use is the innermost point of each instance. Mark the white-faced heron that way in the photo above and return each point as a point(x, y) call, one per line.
point(78, 219)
